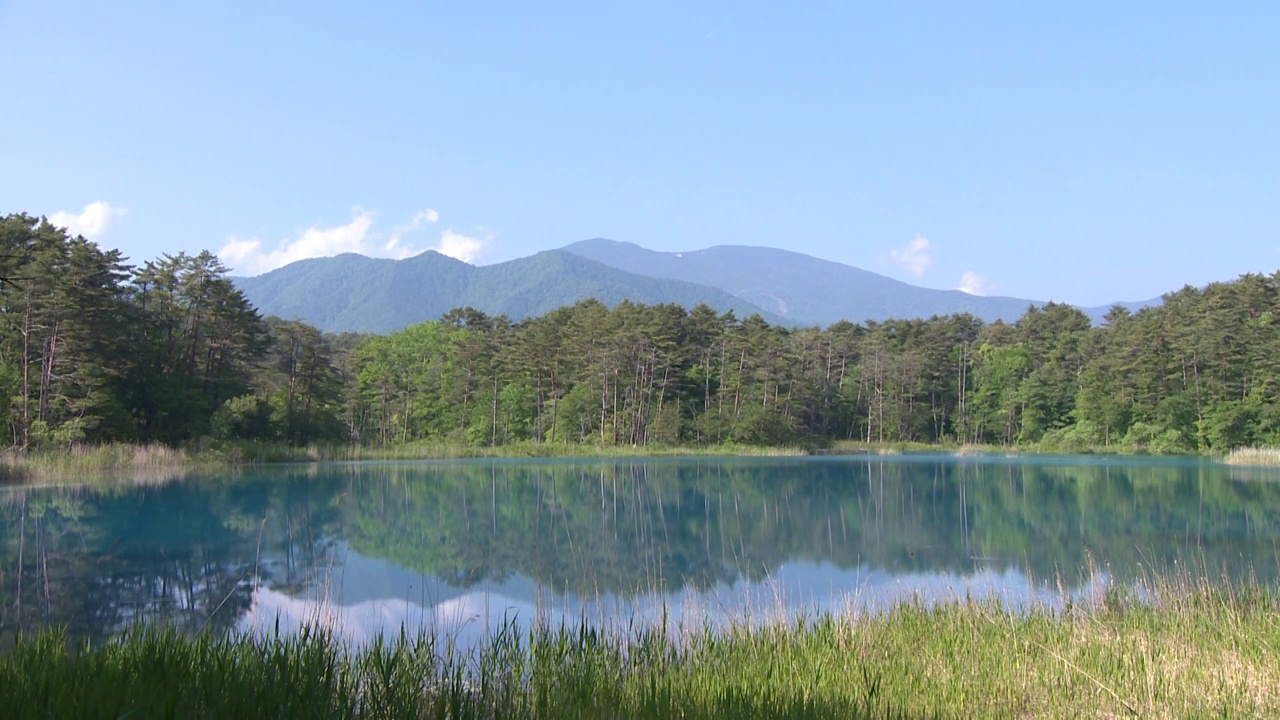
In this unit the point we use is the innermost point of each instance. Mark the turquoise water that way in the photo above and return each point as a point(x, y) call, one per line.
point(458, 547)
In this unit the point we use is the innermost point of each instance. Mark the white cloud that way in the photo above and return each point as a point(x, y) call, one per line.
point(916, 257)
point(974, 284)
point(90, 222)
point(394, 246)
point(466, 248)
point(249, 255)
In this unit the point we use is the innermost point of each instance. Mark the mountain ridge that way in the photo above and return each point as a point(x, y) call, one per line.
point(352, 292)
point(810, 290)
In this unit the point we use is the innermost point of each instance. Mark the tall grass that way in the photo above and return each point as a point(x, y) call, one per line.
point(861, 447)
point(1044, 447)
point(1253, 456)
point(340, 452)
point(1184, 649)
point(154, 463)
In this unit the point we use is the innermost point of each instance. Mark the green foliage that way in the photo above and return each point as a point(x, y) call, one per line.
point(197, 339)
point(92, 350)
point(1080, 437)
point(636, 375)
point(61, 331)
point(1152, 438)
point(247, 417)
point(305, 384)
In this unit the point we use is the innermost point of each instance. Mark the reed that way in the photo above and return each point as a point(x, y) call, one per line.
point(339, 452)
point(1253, 456)
point(147, 464)
point(157, 464)
point(1173, 648)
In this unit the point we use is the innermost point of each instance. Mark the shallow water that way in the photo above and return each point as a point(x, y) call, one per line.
point(461, 547)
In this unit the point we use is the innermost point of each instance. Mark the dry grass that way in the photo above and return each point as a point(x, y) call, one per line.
point(139, 464)
point(158, 464)
point(428, 450)
point(1253, 456)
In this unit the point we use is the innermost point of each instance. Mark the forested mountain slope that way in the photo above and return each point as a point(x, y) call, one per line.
point(360, 294)
point(807, 290)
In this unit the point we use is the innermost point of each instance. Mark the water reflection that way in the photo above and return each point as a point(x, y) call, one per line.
point(456, 547)
point(470, 615)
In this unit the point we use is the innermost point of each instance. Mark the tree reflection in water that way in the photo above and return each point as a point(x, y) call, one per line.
point(192, 553)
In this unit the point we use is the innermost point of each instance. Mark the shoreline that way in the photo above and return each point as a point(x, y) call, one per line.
point(155, 462)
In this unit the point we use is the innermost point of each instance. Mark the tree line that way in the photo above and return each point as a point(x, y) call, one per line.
point(92, 349)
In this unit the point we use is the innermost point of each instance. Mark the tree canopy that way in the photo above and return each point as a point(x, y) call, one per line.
point(93, 349)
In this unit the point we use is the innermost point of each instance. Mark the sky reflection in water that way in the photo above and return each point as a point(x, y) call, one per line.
point(457, 547)
point(469, 616)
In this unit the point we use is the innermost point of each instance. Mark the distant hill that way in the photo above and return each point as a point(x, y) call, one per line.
point(806, 290)
point(360, 294)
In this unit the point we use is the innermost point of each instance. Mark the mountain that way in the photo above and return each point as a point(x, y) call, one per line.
point(355, 293)
point(806, 290)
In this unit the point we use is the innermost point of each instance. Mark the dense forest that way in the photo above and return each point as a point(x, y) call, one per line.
point(92, 349)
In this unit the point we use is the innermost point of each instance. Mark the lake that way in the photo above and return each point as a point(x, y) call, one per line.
point(461, 547)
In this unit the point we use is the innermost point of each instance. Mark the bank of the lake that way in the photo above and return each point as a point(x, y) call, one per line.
point(156, 463)
point(152, 463)
point(170, 351)
point(1187, 650)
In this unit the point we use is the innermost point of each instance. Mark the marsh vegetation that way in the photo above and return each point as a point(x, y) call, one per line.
point(1185, 649)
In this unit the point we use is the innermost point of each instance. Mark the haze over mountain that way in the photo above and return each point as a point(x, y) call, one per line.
point(355, 293)
point(807, 290)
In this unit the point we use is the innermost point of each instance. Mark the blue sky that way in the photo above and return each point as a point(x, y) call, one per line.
point(1088, 153)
